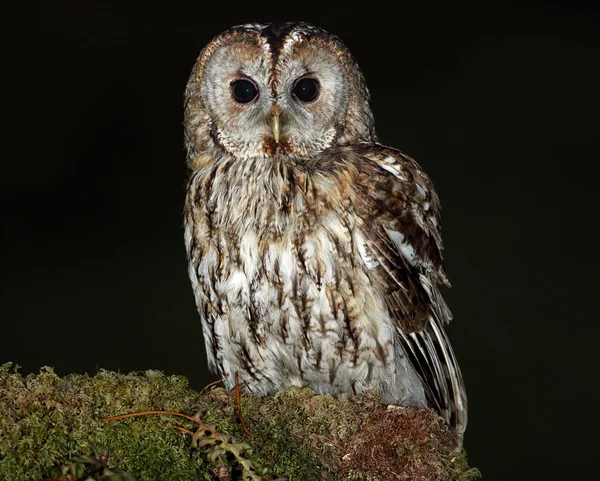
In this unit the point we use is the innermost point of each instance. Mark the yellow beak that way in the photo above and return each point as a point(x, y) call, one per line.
point(276, 126)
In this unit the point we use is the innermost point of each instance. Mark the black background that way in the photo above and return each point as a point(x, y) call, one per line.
point(497, 101)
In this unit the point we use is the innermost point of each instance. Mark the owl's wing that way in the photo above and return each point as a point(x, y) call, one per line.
point(399, 218)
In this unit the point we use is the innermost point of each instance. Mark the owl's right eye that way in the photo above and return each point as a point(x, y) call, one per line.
point(243, 90)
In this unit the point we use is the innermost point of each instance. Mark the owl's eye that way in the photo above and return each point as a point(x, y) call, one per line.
point(243, 91)
point(306, 89)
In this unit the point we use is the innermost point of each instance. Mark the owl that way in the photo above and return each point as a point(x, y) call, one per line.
point(314, 251)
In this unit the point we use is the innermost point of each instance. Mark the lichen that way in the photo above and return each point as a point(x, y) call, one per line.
point(51, 428)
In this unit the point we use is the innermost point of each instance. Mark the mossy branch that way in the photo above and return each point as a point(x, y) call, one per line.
point(51, 428)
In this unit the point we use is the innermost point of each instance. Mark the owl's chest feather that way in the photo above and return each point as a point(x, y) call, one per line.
point(280, 283)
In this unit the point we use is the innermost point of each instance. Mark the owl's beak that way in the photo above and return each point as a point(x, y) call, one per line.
point(276, 126)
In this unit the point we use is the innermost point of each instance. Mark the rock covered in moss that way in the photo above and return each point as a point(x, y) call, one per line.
point(47, 423)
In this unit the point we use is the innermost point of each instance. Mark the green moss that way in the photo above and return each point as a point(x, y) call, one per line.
point(46, 421)
point(48, 424)
point(458, 467)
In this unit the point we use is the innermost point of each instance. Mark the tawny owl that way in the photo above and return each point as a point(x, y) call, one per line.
point(314, 252)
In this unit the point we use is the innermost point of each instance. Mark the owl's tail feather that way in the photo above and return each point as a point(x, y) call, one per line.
point(432, 356)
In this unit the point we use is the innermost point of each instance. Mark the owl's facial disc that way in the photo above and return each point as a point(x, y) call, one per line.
point(262, 107)
point(261, 91)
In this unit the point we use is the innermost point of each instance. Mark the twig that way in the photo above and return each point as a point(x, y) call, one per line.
point(208, 386)
point(183, 430)
point(146, 413)
point(238, 398)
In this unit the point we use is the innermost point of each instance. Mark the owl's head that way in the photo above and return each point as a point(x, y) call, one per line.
point(279, 89)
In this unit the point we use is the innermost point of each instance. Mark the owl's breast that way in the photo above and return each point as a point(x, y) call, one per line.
point(290, 302)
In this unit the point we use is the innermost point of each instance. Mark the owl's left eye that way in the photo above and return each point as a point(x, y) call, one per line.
point(243, 90)
point(306, 89)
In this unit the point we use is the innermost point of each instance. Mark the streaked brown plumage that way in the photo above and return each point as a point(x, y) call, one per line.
point(315, 252)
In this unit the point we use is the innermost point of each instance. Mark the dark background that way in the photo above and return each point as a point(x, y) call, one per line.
point(498, 102)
